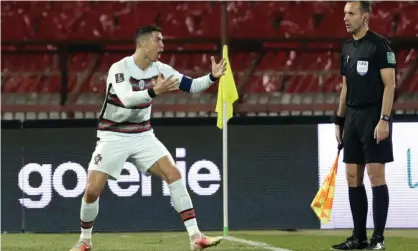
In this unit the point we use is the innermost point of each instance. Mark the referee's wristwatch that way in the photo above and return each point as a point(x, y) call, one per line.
point(385, 118)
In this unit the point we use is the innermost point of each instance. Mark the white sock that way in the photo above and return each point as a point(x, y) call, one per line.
point(183, 205)
point(88, 214)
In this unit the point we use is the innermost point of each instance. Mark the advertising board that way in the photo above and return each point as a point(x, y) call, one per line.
point(401, 177)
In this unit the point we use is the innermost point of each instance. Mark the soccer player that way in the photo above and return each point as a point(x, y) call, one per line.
point(367, 67)
point(125, 133)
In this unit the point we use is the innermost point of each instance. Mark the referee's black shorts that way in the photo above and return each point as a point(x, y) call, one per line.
point(360, 146)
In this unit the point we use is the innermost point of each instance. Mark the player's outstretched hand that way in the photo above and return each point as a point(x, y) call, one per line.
point(218, 70)
point(166, 84)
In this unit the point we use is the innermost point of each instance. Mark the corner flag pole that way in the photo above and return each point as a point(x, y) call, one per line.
point(225, 165)
point(227, 95)
point(224, 25)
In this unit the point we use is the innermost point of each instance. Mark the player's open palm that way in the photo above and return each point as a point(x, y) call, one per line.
point(218, 69)
point(166, 84)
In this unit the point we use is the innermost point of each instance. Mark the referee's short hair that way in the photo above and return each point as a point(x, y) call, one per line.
point(365, 6)
point(145, 30)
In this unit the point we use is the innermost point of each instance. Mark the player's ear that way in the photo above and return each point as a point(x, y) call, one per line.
point(139, 42)
point(143, 41)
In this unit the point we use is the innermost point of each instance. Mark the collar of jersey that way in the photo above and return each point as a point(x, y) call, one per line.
point(131, 64)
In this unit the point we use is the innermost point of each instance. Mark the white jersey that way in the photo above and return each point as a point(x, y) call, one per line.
point(127, 106)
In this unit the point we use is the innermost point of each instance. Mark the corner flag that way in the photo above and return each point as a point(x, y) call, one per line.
point(322, 203)
point(227, 95)
point(227, 91)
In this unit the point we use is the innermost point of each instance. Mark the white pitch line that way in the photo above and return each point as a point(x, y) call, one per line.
point(255, 244)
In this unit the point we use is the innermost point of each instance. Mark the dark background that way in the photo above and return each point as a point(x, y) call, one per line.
point(273, 177)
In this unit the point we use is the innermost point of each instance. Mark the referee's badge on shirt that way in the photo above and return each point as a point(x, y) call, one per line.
point(362, 67)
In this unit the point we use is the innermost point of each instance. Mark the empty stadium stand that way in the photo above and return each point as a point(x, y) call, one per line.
point(288, 76)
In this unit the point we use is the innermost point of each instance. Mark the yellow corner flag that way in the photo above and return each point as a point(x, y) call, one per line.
point(227, 91)
point(322, 203)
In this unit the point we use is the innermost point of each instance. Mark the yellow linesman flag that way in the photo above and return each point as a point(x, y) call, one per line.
point(227, 91)
point(322, 203)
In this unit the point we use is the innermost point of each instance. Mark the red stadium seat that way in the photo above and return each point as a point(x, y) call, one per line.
point(279, 71)
point(105, 20)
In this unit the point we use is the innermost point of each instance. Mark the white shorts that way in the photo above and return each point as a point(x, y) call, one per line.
point(111, 153)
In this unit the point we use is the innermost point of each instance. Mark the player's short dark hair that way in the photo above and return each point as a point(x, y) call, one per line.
point(365, 6)
point(144, 30)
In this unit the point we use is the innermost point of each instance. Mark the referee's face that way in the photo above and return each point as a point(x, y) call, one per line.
point(353, 18)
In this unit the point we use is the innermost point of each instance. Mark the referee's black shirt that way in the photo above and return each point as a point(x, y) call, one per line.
point(361, 62)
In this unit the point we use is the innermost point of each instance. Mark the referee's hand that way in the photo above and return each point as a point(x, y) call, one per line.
point(381, 131)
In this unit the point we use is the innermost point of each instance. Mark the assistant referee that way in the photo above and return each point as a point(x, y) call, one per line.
point(364, 119)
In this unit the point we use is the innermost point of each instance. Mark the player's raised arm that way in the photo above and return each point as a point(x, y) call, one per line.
point(195, 85)
point(129, 98)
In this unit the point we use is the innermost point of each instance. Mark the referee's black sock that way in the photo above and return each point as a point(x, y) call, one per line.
point(359, 208)
point(380, 208)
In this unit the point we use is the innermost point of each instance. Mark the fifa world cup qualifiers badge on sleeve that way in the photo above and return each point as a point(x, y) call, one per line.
point(391, 57)
point(97, 159)
point(119, 77)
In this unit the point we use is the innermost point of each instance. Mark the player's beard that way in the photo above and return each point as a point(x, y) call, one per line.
point(152, 56)
point(148, 58)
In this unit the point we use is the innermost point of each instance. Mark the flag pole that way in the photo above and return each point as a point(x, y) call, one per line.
point(224, 25)
point(225, 166)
